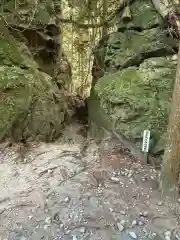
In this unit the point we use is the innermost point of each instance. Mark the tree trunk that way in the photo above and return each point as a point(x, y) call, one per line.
point(171, 161)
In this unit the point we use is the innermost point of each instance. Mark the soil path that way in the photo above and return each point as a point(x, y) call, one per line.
point(62, 192)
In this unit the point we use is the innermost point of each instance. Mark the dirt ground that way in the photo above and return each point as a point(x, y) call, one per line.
point(66, 190)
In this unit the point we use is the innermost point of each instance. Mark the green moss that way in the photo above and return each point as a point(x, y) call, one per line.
point(130, 46)
point(15, 95)
point(143, 15)
point(19, 88)
point(138, 98)
point(9, 54)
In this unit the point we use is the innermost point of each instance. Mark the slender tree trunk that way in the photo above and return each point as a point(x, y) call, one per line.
point(171, 161)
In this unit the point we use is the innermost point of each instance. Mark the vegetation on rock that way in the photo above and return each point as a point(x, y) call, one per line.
point(31, 104)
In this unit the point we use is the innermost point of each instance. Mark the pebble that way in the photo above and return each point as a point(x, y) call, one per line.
point(174, 57)
point(50, 171)
point(122, 222)
point(179, 200)
point(120, 227)
point(130, 174)
point(61, 225)
point(140, 223)
point(160, 203)
point(74, 237)
point(167, 238)
point(46, 227)
point(115, 179)
point(82, 230)
point(123, 212)
point(167, 233)
point(133, 235)
point(111, 210)
point(48, 220)
point(66, 199)
point(142, 218)
point(145, 214)
point(134, 223)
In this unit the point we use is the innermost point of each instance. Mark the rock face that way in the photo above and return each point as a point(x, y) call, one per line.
point(135, 86)
point(33, 104)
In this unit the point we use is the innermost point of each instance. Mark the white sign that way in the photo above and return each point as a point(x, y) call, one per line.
point(146, 137)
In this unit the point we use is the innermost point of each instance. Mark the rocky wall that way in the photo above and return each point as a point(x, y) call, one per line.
point(32, 104)
point(137, 75)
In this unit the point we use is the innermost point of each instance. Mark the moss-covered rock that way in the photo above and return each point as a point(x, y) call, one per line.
point(131, 47)
point(137, 98)
point(32, 106)
point(139, 70)
point(143, 15)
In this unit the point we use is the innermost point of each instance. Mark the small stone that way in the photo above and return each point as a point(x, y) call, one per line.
point(111, 210)
point(61, 225)
point(134, 223)
point(160, 203)
point(46, 210)
point(67, 199)
point(114, 179)
point(46, 226)
point(140, 223)
point(120, 227)
point(133, 235)
point(130, 174)
point(30, 217)
point(167, 238)
point(48, 220)
point(167, 233)
point(174, 57)
point(179, 200)
point(145, 214)
point(82, 230)
point(123, 212)
point(142, 218)
point(122, 222)
point(74, 237)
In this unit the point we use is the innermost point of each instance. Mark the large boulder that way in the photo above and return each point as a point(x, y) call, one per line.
point(32, 104)
point(139, 71)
